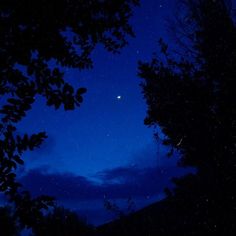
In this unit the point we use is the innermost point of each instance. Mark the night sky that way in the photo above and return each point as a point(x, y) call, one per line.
point(103, 150)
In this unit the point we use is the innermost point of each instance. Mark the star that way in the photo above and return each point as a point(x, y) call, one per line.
point(118, 97)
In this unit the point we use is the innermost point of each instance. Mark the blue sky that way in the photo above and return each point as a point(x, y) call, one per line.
point(103, 148)
point(105, 132)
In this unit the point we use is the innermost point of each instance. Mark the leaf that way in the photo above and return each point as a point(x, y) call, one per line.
point(18, 160)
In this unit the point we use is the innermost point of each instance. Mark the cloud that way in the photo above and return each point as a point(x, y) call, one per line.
point(134, 181)
point(154, 154)
point(121, 182)
point(143, 185)
point(61, 185)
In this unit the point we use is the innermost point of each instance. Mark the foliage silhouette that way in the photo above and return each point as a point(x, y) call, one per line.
point(119, 212)
point(39, 39)
point(192, 98)
point(8, 224)
point(62, 222)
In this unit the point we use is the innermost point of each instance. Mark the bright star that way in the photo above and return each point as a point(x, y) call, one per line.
point(118, 97)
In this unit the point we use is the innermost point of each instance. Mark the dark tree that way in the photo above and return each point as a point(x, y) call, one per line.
point(37, 40)
point(62, 222)
point(193, 99)
point(8, 224)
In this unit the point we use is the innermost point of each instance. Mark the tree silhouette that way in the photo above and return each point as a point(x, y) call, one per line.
point(39, 39)
point(8, 224)
point(192, 98)
point(62, 222)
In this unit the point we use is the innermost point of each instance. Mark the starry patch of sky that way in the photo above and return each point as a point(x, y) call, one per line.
point(104, 147)
point(108, 128)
